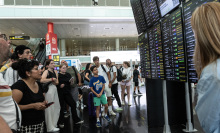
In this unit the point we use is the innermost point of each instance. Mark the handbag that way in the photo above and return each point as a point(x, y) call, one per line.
point(17, 120)
point(46, 86)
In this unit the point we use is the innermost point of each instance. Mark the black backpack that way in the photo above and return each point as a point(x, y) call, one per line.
point(81, 74)
point(119, 74)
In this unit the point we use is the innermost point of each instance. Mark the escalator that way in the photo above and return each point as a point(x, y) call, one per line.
point(41, 56)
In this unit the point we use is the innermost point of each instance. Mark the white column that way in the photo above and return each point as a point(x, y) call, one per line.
point(2, 2)
point(117, 45)
point(63, 47)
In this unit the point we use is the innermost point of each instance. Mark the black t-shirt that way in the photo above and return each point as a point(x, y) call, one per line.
point(64, 79)
point(135, 75)
point(30, 116)
point(89, 76)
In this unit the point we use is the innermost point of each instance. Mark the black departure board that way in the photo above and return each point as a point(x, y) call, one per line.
point(174, 54)
point(156, 52)
point(150, 11)
point(166, 6)
point(188, 9)
point(138, 16)
point(145, 56)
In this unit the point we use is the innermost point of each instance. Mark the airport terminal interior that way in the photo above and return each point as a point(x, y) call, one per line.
point(154, 37)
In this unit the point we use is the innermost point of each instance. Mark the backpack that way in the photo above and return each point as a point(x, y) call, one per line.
point(119, 74)
point(81, 74)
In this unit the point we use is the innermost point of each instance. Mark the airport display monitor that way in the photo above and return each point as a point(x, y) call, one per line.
point(188, 9)
point(156, 52)
point(166, 6)
point(173, 46)
point(138, 16)
point(151, 11)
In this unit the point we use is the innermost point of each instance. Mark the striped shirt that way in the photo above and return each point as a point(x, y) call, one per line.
point(7, 105)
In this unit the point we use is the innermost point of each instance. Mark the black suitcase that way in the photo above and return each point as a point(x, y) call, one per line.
point(86, 90)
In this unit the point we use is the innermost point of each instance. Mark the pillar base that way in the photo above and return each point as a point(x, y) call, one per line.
point(166, 129)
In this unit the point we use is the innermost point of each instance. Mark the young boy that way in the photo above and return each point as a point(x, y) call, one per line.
point(97, 85)
point(136, 75)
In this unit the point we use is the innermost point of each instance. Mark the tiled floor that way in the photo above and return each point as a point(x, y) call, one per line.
point(132, 119)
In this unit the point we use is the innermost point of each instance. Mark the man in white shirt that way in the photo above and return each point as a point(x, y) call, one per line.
point(7, 106)
point(104, 71)
point(114, 82)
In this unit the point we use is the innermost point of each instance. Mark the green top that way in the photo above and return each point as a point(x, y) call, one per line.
point(72, 73)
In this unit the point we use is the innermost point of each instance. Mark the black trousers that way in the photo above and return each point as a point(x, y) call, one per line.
point(66, 97)
point(114, 90)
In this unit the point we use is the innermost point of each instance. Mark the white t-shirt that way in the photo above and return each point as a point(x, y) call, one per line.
point(112, 70)
point(128, 72)
point(103, 73)
point(7, 105)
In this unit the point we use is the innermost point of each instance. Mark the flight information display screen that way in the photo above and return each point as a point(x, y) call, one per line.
point(156, 52)
point(138, 16)
point(174, 54)
point(166, 6)
point(145, 56)
point(188, 9)
point(150, 11)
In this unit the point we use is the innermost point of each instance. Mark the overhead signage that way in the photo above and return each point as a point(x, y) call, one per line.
point(19, 37)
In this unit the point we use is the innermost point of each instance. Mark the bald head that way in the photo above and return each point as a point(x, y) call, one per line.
point(64, 62)
point(4, 50)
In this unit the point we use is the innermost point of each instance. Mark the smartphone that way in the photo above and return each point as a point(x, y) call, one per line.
point(49, 104)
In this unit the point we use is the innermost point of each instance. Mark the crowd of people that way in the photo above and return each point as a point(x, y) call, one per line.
point(34, 98)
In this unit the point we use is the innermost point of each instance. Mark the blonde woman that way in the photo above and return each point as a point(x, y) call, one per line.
point(127, 75)
point(205, 23)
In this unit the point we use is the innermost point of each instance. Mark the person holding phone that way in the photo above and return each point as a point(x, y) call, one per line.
point(64, 91)
point(52, 113)
point(28, 93)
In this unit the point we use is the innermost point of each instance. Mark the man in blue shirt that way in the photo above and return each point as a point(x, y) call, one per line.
point(97, 85)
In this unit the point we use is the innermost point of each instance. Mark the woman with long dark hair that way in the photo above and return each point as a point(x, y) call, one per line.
point(28, 93)
point(88, 74)
point(205, 23)
point(51, 114)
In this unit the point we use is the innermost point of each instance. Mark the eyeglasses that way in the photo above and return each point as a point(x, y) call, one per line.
point(4, 37)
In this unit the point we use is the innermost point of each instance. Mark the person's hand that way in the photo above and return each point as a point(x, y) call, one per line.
point(141, 81)
point(10, 63)
point(40, 105)
point(80, 84)
point(99, 95)
point(110, 85)
point(53, 79)
point(62, 85)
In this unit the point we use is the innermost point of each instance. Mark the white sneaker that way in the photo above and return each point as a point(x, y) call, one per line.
point(112, 113)
point(123, 103)
point(119, 109)
point(54, 130)
point(103, 114)
point(129, 104)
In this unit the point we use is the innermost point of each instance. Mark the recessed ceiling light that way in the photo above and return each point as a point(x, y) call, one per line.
point(107, 40)
point(22, 33)
point(90, 32)
point(73, 40)
point(123, 39)
point(91, 26)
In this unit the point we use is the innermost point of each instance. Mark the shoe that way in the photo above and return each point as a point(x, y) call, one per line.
point(54, 130)
point(103, 114)
point(67, 115)
point(129, 104)
point(80, 122)
point(123, 103)
point(98, 124)
point(119, 109)
point(112, 113)
point(61, 125)
point(139, 93)
point(107, 118)
point(134, 94)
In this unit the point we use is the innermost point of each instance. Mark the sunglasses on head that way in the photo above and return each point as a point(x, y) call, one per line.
point(4, 37)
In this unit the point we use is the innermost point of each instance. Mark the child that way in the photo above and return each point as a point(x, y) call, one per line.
point(136, 75)
point(97, 85)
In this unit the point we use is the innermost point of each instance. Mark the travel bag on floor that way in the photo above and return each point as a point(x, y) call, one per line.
point(86, 92)
point(91, 106)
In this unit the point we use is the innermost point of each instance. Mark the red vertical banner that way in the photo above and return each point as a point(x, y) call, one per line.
point(51, 41)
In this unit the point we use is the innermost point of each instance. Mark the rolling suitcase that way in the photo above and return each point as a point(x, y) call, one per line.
point(91, 106)
point(86, 91)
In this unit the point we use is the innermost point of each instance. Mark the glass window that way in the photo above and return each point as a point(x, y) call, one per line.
point(69, 2)
point(36, 2)
point(22, 2)
point(9, 2)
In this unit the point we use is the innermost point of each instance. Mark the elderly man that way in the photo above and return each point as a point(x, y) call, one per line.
point(9, 110)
